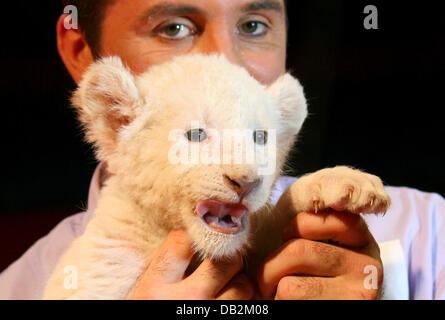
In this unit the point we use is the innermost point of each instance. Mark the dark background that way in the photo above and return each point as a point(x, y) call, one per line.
point(375, 98)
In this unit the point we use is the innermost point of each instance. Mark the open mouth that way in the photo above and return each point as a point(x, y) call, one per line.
point(220, 216)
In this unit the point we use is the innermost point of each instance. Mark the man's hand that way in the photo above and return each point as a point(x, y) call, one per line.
point(164, 278)
point(304, 268)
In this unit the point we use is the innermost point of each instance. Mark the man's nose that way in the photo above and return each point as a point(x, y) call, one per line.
point(241, 185)
point(213, 40)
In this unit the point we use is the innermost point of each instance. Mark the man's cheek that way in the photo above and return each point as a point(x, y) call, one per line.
point(265, 68)
point(140, 56)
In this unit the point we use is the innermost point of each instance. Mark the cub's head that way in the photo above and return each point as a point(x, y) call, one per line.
point(197, 142)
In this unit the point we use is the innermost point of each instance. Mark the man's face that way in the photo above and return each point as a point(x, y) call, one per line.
point(250, 33)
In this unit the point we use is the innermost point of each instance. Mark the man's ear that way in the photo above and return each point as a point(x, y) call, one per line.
point(106, 100)
point(288, 95)
point(73, 49)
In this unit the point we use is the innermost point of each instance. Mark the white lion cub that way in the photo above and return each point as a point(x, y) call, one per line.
point(166, 136)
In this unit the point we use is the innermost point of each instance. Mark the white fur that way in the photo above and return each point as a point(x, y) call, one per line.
point(128, 119)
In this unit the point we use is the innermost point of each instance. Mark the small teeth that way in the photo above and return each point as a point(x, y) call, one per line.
point(236, 221)
point(215, 220)
point(211, 219)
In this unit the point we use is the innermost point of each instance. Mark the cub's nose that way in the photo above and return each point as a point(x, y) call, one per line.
point(243, 186)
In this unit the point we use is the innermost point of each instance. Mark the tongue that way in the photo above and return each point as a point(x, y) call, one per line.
point(220, 209)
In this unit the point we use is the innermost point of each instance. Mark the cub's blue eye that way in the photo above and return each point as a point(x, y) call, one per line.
point(196, 135)
point(260, 137)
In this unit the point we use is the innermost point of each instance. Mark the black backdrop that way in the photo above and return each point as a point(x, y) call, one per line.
point(376, 100)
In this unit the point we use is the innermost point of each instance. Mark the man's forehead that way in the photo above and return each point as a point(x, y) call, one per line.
point(264, 5)
point(184, 7)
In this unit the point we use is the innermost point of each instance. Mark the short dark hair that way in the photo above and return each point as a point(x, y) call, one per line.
point(91, 14)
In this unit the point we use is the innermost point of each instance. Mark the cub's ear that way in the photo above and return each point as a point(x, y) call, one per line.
point(288, 95)
point(106, 100)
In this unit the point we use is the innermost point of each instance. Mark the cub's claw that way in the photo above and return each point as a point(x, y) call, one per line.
point(316, 204)
point(341, 189)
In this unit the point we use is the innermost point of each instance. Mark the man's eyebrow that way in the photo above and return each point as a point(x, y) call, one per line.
point(169, 9)
point(264, 5)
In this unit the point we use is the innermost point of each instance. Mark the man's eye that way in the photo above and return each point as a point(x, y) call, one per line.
point(254, 28)
point(175, 31)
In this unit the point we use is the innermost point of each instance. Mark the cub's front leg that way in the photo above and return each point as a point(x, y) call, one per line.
point(95, 267)
point(340, 188)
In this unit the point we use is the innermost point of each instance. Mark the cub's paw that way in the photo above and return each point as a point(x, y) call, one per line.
point(342, 189)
